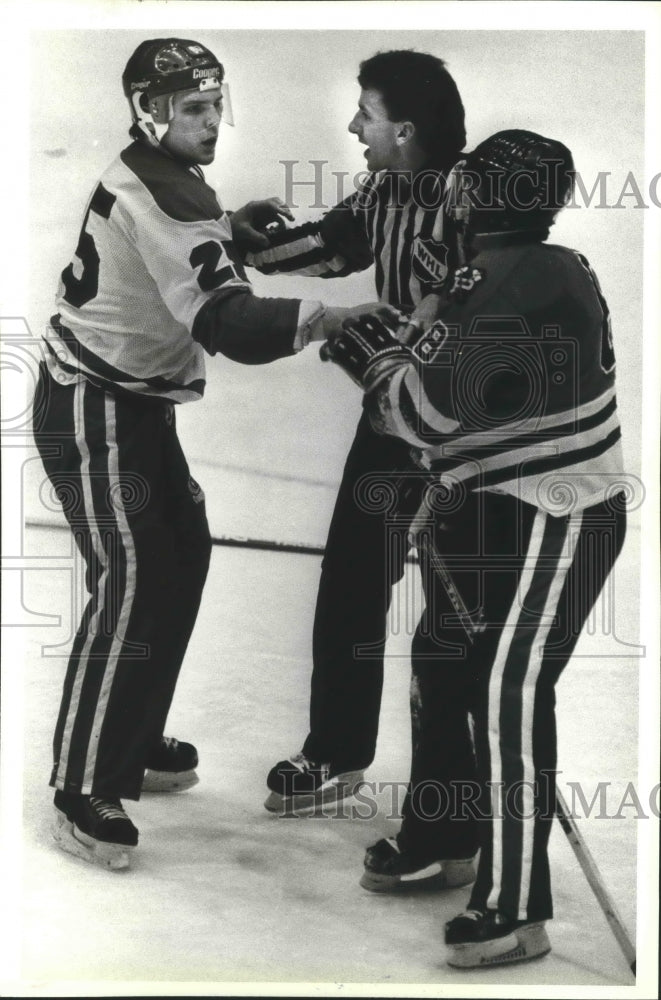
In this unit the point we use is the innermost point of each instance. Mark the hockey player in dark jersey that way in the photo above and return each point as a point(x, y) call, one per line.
point(155, 283)
point(411, 119)
point(510, 399)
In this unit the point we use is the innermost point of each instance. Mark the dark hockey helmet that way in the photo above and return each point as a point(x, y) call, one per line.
point(516, 180)
point(159, 68)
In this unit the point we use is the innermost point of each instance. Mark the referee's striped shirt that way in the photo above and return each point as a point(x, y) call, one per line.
point(393, 221)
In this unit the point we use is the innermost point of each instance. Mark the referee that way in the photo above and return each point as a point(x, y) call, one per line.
point(410, 118)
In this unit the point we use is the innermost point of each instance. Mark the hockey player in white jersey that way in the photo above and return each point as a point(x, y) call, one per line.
point(153, 284)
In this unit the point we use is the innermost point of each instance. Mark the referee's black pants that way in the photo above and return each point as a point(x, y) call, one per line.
point(365, 556)
point(139, 521)
point(536, 577)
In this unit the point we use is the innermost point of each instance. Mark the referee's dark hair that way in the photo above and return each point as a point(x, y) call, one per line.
point(416, 87)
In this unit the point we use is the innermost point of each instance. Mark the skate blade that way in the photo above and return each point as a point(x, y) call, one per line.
point(168, 781)
point(523, 945)
point(438, 875)
point(72, 840)
point(342, 786)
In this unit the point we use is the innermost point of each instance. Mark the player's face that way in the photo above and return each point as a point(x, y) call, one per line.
point(193, 130)
point(373, 128)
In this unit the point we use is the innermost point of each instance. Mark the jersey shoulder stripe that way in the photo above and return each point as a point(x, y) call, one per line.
point(180, 194)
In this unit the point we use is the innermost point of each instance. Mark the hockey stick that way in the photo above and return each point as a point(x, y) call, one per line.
point(266, 544)
point(231, 541)
point(472, 626)
point(270, 545)
point(566, 820)
point(592, 874)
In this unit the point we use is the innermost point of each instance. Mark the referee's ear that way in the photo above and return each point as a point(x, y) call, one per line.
point(405, 132)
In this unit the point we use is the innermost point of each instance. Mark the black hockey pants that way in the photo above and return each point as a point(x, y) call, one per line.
point(536, 578)
point(138, 519)
point(365, 556)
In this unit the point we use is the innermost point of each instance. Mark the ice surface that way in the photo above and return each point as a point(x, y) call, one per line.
point(221, 891)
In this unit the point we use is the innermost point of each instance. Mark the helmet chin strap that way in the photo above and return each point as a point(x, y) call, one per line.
point(151, 129)
point(160, 130)
point(155, 122)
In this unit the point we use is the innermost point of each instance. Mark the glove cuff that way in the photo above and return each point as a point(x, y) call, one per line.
point(382, 369)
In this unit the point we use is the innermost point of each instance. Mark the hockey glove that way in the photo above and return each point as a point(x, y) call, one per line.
point(367, 350)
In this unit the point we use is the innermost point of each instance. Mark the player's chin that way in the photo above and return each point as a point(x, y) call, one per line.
point(207, 150)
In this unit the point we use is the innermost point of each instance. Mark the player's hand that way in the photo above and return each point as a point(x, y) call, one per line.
point(336, 317)
point(330, 325)
point(387, 312)
point(420, 319)
point(393, 318)
point(251, 223)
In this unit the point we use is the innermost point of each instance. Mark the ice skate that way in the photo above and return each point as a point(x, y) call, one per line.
point(95, 829)
point(387, 868)
point(478, 939)
point(171, 767)
point(300, 785)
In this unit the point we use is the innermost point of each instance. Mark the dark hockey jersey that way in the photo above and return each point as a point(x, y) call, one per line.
point(398, 225)
point(513, 389)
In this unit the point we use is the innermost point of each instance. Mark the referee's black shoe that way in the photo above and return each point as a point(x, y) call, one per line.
point(388, 868)
point(478, 939)
point(299, 785)
point(170, 767)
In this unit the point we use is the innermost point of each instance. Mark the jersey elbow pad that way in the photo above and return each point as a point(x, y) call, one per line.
point(247, 329)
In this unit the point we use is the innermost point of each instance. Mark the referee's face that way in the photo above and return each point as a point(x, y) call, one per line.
point(375, 130)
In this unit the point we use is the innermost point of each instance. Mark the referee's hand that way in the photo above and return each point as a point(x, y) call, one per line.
point(420, 319)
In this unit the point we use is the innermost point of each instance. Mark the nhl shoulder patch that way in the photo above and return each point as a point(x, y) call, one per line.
point(429, 260)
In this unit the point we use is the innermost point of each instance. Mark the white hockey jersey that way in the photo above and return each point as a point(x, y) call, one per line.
point(154, 248)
